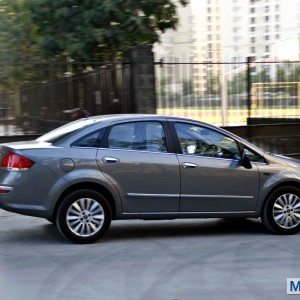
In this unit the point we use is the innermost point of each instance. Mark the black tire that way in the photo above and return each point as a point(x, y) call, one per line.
point(62, 223)
point(267, 211)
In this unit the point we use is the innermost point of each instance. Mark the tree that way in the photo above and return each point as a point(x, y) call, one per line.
point(294, 73)
point(187, 87)
point(280, 73)
point(18, 44)
point(100, 30)
point(213, 84)
point(238, 84)
point(262, 76)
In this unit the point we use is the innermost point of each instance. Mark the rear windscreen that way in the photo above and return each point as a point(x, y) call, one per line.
point(65, 130)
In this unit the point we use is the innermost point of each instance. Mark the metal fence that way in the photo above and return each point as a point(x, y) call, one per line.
point(225, 93)
point(102, 91)
point(221, 93)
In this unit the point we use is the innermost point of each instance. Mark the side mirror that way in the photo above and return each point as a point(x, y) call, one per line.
point(245, 161)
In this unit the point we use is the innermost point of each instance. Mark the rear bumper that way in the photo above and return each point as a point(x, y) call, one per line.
point(24, 209)
point(28, 192)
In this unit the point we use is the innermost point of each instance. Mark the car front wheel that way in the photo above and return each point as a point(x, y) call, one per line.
point(84, 216)
point(281, 212)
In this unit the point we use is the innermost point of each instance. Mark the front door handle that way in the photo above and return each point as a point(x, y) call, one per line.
point(110, 160)
point(188, 165)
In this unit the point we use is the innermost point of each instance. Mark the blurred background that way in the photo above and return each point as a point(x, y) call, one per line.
point(234, 64)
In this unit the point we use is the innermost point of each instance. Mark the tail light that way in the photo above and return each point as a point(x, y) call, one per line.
point(16, 162)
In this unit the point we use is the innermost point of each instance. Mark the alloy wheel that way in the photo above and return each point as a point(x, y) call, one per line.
point(286, 211)
point(85, 217)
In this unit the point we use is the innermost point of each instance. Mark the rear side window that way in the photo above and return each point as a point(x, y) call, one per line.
point(92, 139)
point(144, 136)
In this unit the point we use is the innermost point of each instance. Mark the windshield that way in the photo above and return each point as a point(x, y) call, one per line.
point(64, 130)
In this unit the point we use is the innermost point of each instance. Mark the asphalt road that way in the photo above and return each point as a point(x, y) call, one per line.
point(179, 259)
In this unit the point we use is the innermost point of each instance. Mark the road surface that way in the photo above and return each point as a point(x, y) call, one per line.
point(179, 259)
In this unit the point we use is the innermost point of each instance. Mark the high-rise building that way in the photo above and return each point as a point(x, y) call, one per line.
point(230, 31)
point(260, 28)
point(207, 43)
point(177, 45)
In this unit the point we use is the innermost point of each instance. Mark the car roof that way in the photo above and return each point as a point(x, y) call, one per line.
point(125, 117)
point(139, 117)
point(130, 117)
point(108, 119)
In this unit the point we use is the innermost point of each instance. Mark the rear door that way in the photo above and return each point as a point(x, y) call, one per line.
point(136, 158)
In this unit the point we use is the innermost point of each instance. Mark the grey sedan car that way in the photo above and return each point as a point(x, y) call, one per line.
point(87, 173)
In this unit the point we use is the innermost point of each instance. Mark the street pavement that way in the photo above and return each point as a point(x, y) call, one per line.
point(178, 259)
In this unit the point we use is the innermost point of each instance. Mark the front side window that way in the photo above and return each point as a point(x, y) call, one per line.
point(253, 156)
point(144, 136)
point(201, 141)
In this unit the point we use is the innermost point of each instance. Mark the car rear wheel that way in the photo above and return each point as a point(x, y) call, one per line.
point(84, 216)
point(281, 212)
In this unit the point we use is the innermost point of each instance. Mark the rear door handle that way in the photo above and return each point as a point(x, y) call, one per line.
point(188, 165)
point(110, 160)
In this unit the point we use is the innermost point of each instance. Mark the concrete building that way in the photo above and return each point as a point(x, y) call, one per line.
point(228, 31)
point(207, 44)
point(260, 28)
point(176, 46)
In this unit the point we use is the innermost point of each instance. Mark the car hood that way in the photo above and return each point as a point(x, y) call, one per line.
point(283, 160)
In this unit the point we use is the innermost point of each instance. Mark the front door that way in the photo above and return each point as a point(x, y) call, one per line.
point(139, 165)
point(212, 179)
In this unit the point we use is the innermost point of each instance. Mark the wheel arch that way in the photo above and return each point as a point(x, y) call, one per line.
point(91, 186)
point(289, 183)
